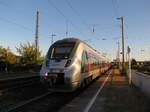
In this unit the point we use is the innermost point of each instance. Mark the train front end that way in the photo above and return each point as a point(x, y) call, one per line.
point(59, 67)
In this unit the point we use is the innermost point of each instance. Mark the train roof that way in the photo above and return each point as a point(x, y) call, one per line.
point(76, 40)
point(69, 40)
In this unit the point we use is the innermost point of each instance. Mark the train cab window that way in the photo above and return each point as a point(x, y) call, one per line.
point(84, 62)
point(61, 50)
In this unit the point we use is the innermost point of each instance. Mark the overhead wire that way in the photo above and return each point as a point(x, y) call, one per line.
point(65, 17)
point(78, 14)
point(116, 11)
point(11, 21)
point(16, 24)
point(3, 3)
point(83, 21)
point(115, 7)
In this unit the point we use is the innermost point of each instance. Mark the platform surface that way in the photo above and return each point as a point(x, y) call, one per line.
point(115, 96)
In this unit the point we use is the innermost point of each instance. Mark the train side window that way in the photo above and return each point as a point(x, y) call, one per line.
point(84, 63)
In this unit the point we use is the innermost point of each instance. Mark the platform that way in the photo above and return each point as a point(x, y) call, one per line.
point(115, 96)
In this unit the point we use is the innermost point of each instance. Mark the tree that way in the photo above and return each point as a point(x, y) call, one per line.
point(133, 62)
point(8, 60)
point(8, 56)
point(29, 54)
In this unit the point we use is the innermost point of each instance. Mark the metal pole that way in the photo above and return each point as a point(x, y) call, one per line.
point(123, 64)
point(37, 34)
point(129, 66)
point(118, 54)
point(52, 38)
point(66, 28)
point(122, 24)
point(130, 77)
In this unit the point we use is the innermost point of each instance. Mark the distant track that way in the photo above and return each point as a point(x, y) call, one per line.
point(23, 103)
point(48, 101)
point(17, 82)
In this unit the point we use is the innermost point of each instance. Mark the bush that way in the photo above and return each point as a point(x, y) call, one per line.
point(142, 68)
point(28, 61)
point(29, 54)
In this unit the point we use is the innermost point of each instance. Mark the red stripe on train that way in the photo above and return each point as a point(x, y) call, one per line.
point(89, 68)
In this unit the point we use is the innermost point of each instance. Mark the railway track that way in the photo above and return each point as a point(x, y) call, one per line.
point(47, 101)
point(27, 102)
point(16, 97)
point(17, 92)
point(17, 82)
point(51, 103)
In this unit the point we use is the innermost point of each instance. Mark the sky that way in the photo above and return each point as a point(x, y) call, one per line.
point(78, 18)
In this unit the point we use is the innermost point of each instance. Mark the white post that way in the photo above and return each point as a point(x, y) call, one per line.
point(129, 59)
point(130, 77)
point(6, 69)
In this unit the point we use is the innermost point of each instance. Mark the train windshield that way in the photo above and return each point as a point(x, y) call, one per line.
point(61, 50)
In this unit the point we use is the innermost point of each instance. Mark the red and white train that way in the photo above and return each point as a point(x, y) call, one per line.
point(71, 63)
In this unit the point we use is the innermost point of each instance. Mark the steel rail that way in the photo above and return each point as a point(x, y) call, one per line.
point(23, 103)
point(14, 83)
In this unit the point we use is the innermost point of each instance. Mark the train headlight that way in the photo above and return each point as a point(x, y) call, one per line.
point(46, 74)
point(68, 63)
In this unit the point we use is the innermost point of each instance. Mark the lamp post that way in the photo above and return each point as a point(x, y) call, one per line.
point(122, 23)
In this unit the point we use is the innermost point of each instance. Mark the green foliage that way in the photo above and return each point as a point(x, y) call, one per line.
point(29, 54)
point(144, 69)
point(7, 56)
point(27, 61)
point(126, 67)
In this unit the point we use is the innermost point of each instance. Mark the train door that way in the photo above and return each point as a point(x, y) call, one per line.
point(84, 64)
